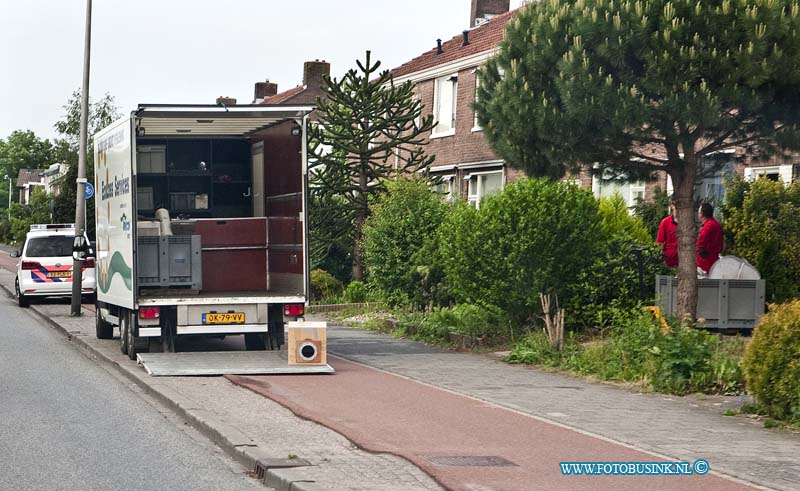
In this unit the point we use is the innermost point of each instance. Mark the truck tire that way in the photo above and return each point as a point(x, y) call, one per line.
point(256, 341)
point(276, 327)
point(123, 331)
point(21, 299)
point(102, 329)
point(136, 344)
point(130, 335)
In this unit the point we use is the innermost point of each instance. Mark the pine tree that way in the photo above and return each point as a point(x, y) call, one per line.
point(645, 85)
point(368, 129)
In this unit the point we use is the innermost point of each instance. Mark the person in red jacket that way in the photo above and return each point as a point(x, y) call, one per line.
point(709, 240)
point(667, 237)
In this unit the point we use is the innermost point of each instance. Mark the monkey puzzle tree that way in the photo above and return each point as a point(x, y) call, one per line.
point(368, 129)
point(638, 86)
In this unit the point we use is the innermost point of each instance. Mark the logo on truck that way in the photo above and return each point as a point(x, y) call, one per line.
point(110, 265)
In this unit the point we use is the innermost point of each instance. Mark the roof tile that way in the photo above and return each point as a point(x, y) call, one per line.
point(482, 38)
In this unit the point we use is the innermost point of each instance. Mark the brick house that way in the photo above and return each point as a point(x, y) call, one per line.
point(445, 78)
point(27, 181)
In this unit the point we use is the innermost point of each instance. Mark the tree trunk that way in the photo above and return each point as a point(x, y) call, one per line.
point(687, 236)
point(358, 257)
point(358, 224)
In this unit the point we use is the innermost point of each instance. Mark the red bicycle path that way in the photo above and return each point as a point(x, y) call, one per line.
point(387, 413)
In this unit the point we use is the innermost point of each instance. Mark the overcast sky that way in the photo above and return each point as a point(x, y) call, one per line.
point(192, 51)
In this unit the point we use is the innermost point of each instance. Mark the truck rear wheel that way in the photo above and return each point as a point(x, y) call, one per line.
point(103, 329)
point(275, 334)
point(136, 344)
point(256, 341)
point(123, 331)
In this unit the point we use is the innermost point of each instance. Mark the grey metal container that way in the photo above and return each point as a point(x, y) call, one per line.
point(721, 304)
point(169, 261)
point(151, 159)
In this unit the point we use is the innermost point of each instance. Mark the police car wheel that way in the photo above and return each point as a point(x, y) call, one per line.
point(21, 300)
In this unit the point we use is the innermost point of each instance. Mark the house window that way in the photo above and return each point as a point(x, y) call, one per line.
point(418, 120)
point(444, 187)
point(637, 193)
point(445, 105)
point(606, 184)
point(476, 126)
point(482, 185)
point(781, 173)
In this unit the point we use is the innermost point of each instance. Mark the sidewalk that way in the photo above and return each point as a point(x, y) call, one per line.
point(250, 427)
point(255, 428)
point(684, 428)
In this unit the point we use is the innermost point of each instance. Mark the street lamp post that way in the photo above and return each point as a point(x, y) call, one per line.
point(9, 197)
point(80, 202)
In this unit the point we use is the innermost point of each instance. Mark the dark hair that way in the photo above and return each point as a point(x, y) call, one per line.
point(707, 210)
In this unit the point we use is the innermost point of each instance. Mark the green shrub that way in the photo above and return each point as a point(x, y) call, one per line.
point(403, 222)
point(356, 292)
point(5, 231)
point(535, 349)
point(471, 320)
point(761, 226)
point(772, 362)
point(612, 282)
point(637, 350)
point(324, 286)
point(616, 222)
point(23, 216)
point(536, 236)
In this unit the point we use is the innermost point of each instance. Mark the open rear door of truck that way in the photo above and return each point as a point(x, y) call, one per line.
point(114, 214)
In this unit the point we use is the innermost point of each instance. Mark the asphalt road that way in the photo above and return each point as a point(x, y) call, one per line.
point(67, 423)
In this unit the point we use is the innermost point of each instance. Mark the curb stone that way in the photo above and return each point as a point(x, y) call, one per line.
point(222, 435)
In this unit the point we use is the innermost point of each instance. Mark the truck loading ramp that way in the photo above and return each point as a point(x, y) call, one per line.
point(225, 363)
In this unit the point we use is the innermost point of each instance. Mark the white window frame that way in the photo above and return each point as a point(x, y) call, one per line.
point(475, 199)
point(784, 172)
point(635, 188)
point(447, 182)
point(437, 131)
point(475, 125)
point(628, 195)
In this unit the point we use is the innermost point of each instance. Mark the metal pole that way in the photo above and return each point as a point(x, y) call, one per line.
point(9, 197)
point(80, 201)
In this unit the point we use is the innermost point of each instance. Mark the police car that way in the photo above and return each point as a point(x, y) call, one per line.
point(45, 264)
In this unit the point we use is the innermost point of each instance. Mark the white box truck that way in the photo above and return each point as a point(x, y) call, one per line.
point(201, 222)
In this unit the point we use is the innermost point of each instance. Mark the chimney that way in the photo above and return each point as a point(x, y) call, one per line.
point(466, 38)
point(439, 49)
point(264, 90)
point(483, 10)
point(225, 100)
point(314, 73)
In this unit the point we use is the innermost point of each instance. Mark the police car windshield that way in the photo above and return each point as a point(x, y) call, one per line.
point(50, 246)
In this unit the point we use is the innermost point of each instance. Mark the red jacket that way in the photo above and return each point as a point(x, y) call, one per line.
point(709, 244)
point(668, 235)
